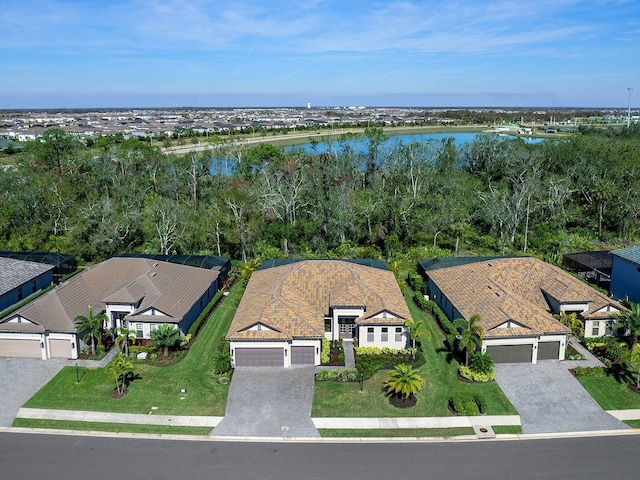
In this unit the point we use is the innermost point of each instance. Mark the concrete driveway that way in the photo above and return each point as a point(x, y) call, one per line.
point(269, 402)
point(550, 400)
point(20, 379)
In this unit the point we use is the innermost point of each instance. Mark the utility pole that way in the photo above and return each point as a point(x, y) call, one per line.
point(629, 111)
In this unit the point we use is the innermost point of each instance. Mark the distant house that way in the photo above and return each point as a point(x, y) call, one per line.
point(135, 293)
point(625, 274)
point(287, 310)
point(20, 279)
point(516, 299)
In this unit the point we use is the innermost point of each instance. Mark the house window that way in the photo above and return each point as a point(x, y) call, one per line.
point(327, 324)
point(370, 334)
point(608, 328)
point(139, 331)
point(152, 327)
point(595, 329)
point(398, 334)
point(385, 334)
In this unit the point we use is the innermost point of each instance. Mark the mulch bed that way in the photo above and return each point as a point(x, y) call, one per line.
point(399, 401)
point(116, 395)
point(633, 388)
point(465, 380)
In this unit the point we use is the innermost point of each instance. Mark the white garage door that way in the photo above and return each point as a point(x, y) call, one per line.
point(20, 348)
point(60, 348)
point(259, 357)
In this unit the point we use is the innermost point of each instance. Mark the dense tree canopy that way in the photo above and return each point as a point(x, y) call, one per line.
point(494, 195)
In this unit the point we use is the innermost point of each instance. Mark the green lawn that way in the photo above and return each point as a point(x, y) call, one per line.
point(110, 427)
point(334, 399)
point(155, 386)
point(397, 432)
point(610, 394)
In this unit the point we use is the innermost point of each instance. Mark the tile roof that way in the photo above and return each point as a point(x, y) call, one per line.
point(14, 273)
point(173, 289)
point(293, 299)
point(631, 254)
point(516, 290)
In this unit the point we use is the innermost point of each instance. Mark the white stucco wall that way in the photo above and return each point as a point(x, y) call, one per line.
point(364, 339)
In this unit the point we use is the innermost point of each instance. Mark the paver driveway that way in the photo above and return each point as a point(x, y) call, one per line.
point(549, 399)
point(20, 379)
point(269, 402)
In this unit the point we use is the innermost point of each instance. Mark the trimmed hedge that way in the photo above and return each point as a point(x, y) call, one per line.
point(590, 372)
point(371, 359)
point(335, 375)
point(468, 404)
point(479, 377)
point(195, 326)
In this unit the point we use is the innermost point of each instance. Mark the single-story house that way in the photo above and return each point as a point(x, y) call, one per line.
point(20, 279)
point(516, 299)
point(625, 274)
point(63, 264)
point(135, 293)
point(287, 310)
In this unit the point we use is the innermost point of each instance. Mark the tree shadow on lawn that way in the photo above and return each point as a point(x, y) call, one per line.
point(622, 373)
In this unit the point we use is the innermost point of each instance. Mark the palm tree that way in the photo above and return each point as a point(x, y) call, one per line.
point(417, 330)
point(404, 381)
point(93, 324)
point(118, 370)
point(123, 336)
point(469, 334)
point(165, 336)
point(630, 321)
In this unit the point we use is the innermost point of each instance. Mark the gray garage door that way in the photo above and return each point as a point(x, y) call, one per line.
point(548, 350)
point(259, 357)
point(510, 353)
point(20, 348)
point(303, 356)
point(60, 348)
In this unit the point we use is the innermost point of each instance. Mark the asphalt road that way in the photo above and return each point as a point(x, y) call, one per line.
point(27, 456)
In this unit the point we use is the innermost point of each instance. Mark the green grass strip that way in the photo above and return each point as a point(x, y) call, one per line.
point(396, 432)
point(110, 427)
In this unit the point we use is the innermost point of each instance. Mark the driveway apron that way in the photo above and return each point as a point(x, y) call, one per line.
point(20, 379)
point(550, 400)
point(269, 402)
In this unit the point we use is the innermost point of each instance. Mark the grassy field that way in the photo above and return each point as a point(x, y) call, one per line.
point(111, 427)
point(610, 394)
point(154, 386)
point(335, 399)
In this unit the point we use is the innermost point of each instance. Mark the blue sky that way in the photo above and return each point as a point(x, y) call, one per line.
point(165, 53)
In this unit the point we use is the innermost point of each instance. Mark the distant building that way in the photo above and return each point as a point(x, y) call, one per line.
point(625, 274)
point(20, 279)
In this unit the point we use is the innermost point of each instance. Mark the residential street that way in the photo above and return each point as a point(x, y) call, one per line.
point(63, 457)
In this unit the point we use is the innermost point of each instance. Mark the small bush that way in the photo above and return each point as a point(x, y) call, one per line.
point(136, 349)
point(468, 404)
point(222, 378)
point(335, 375)
point(481, 363)
point(325, 351)
point(594, 372)
point(479, 377)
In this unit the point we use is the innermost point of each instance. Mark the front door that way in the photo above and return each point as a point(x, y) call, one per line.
point(347, 326)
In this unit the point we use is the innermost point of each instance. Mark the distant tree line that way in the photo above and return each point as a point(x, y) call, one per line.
point(495, 195)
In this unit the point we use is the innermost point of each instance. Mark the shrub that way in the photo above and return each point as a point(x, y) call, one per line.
point(325, 351)
point(594, 372)
point(479, 377)
point(481, 363)
point(466, 403)
point(335, 375)
point(136, 349)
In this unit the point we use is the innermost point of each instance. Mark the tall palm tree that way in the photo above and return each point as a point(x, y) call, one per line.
point(123, 337)
point(630, 321)
point(469, 334)
point(403, 380)
point(93, 325)
point(165, 336)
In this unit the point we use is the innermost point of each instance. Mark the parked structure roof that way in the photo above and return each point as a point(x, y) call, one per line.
point(631, 254)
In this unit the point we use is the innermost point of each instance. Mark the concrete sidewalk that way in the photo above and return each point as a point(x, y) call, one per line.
point(415, 422)
point(110, 417)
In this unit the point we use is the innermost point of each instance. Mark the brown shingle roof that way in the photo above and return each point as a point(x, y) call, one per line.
point(294, 299)
point(171, 288)
point(514, 289)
